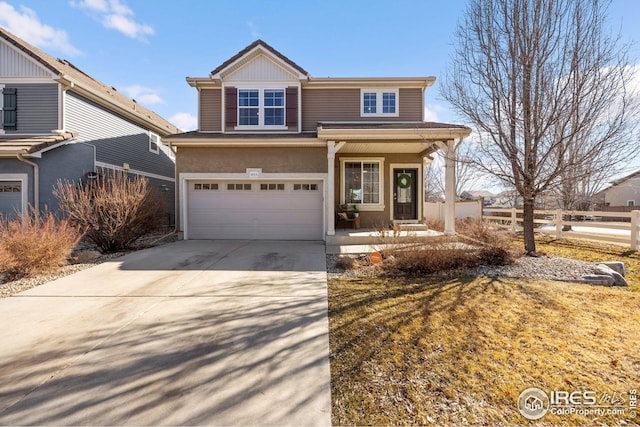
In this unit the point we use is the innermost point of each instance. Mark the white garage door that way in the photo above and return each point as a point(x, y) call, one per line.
point(264, 210)
point(10, 198)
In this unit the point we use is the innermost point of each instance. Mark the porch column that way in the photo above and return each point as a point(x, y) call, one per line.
point(450, 188)
point(332, 149)
point(331, 156)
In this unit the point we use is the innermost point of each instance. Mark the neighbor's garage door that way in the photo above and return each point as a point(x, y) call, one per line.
point(255, 210)
point(10, 198)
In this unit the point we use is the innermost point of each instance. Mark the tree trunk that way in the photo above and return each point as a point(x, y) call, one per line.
point(527, 223)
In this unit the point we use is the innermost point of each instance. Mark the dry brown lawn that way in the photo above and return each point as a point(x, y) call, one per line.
point(459, 351)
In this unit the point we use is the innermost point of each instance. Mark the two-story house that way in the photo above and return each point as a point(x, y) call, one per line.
point(623, 191)
point(58, 123)
point(277, 152)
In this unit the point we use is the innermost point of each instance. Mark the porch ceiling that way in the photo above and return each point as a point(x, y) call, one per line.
point(410, 147)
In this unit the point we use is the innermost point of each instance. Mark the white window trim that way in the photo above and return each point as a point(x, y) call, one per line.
point(373, 207)
point(261, 88)
point(633, 203)
point(157, 142)
point(379, 93)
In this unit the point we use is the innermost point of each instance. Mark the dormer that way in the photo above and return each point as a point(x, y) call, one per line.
point(258, 89)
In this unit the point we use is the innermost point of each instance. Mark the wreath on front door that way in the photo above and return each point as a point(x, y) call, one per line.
point(404, 180)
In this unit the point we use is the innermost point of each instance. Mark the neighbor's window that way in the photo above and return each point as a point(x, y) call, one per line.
point(379, 102)
point(154, 143)
point(362, 182)
point(631, 202)
point(261, 107)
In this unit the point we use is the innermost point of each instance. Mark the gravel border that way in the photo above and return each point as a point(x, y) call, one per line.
point(544, 267)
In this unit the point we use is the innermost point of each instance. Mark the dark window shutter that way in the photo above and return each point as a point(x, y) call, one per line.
point(292, 106)
point(231, 106)
point(10, 108)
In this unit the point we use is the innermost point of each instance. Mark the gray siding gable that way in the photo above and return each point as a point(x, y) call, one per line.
point(37, 108)
point(117, 140)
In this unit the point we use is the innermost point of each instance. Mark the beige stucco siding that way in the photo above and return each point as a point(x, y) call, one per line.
point(237, 160)
point(210, 110)
point(376, 219)
point(344, 105)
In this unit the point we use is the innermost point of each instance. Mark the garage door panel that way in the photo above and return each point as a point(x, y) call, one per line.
point(255, 214)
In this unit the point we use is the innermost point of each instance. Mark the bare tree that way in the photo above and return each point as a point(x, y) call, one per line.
point(467, 174)
point(539, 78)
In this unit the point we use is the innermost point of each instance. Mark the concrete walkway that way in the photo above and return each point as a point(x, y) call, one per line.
point(190, 333)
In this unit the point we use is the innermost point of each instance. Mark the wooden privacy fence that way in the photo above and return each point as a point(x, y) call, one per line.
point(512, 219)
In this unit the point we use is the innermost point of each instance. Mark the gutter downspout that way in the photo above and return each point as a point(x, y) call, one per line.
point(36, 182)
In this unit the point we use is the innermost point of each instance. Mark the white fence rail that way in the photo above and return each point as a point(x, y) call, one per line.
point(554, 221)
point(464, 209)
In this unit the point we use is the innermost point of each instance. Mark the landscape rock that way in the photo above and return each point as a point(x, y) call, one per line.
point(618, 279)
point(598, 279)
point(83, 257)
point(617, 266)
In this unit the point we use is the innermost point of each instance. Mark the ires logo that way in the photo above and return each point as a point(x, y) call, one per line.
point(575, 398)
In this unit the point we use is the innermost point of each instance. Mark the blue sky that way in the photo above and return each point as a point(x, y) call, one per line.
point(146, 48)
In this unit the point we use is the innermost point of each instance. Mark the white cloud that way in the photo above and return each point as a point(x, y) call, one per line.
point(143, 95)
point(115, 15)
point(184, 121)
point(431, 112)
point(253, 28)
point(25, 24)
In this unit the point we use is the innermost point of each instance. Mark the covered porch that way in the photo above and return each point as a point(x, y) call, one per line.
point(375, 170)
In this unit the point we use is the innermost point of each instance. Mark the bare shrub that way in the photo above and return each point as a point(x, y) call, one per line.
point(477, 244)
point(345, 262)
point(482, 231)
point(435, 224)
point(115, 210)
point(32, 244)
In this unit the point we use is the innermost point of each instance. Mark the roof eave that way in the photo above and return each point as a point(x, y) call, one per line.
point(203, 82)
point(324, 82)
point(417, 134)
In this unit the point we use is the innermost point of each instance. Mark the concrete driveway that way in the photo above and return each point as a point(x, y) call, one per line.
point(189, 333)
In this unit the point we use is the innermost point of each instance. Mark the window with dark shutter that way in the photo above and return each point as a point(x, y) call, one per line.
point(292, 106)
point(10, 108)
point(231, 106)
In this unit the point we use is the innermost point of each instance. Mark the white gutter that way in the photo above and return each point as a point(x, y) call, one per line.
point(36, 182)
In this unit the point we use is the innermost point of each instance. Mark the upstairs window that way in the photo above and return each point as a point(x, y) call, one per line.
point(154, 143)
point(248, 107)
point(379, 102)
point(261, 107)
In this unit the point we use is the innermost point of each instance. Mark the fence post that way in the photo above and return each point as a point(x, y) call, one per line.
point(558, 223)
point(514, 217)
point(635, 220)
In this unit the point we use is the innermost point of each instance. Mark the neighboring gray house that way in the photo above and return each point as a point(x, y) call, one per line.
point(58, 123)
point(623, 192)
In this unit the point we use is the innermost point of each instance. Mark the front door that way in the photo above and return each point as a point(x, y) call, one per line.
point(405, 194)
